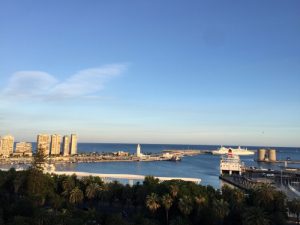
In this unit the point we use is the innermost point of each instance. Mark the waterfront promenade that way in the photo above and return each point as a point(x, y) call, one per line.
point(129, 177)
point(50, 168)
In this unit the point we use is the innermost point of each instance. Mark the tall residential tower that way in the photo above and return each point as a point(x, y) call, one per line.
point(73, 145)
point(66, 145)
point(55, 144)
point(6, 145)
point(43, 143)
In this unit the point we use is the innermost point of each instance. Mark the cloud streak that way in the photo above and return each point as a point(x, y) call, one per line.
point(39, 85)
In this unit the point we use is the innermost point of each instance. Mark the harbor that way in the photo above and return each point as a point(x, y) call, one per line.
point(234, 172)
point(196, 161)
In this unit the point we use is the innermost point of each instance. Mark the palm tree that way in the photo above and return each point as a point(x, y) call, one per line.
point(200, 200)
point(185, 205)
point(294, 207)
point(174, 190)
point(233, 196)
point(68, 185)
point(221, 209)
point(167, 202)
point(92, 190)
point(18, 182)
point(152, 202)
point(103, 192)
point(76, 196)
point(56, 202)
point(255, 216)
point(264, 195)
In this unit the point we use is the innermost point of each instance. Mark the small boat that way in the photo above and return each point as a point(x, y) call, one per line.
point(236, 151)
point(175, 158)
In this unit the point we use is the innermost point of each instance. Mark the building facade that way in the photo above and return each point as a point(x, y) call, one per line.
point(6, 145)
point(55, 144)
point(43, 143)
point(24, 148)
point(66, 145)
point(73, 145)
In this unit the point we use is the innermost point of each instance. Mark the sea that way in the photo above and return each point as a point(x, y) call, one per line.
point(203, 166)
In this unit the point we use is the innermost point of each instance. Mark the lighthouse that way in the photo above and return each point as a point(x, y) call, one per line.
point(138, 151)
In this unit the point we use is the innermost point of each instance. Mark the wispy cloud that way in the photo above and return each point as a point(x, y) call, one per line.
point(27, 84)
point(43, 86)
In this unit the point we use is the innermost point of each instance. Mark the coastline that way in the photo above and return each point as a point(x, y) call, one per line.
point(85, 158)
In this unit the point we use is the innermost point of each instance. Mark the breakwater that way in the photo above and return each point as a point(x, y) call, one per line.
point(185, 152)
point(90, 158)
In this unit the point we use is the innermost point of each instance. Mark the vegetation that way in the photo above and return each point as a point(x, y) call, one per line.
point(32, 197)
point(294, 208)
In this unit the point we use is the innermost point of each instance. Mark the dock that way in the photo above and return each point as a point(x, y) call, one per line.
point(184, 152)
point(285, 180)
point(241, 182)
point(281, 161)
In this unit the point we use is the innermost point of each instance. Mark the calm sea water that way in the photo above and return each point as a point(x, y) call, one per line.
point(205, 167)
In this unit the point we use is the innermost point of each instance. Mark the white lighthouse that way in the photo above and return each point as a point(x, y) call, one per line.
point(138, 151)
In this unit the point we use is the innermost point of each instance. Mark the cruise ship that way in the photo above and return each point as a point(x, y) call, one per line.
point(235, 151)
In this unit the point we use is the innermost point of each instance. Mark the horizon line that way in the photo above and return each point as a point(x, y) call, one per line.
point(141, 143)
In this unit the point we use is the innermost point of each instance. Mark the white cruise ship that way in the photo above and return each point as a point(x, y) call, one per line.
point(235, 151)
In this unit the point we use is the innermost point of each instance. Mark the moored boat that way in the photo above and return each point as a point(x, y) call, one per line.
point(231, 164)
point(175, 158)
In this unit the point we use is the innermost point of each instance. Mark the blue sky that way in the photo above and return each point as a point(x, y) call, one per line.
point(190, 72)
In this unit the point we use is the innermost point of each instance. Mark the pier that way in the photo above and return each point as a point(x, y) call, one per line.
point(282, 161)
point(285, 180)
point(129, 177)
point(183, 152)
point(187, 152)
point(241, 182)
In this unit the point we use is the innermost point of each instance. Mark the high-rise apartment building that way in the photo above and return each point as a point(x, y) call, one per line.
point(73, 145)
point(55, 144)
point(66, 145)
point(24, 148)
point(43, 143)
point(6, 145)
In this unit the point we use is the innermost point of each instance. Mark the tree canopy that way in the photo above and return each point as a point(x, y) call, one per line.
point(32, 197)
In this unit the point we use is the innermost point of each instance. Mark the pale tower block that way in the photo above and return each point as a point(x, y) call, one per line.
point(6, 145)
point(66, 145)
point(43, 143)
point(55, 144)
point(73, 149)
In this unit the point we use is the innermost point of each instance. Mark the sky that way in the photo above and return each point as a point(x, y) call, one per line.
point(141, 71)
